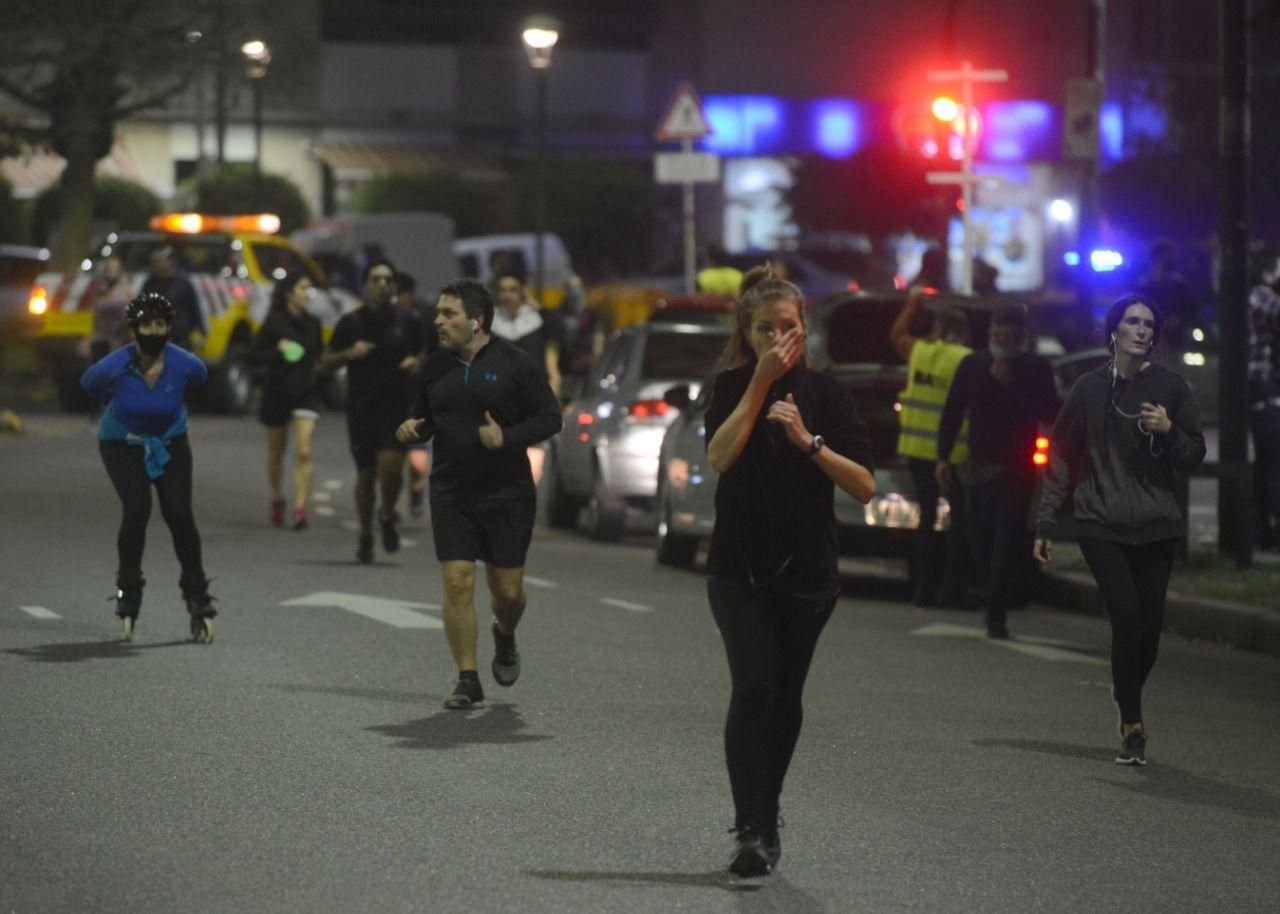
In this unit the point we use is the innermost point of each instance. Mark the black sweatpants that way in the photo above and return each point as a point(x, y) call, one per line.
point(998, 541)
point(1133, 581)
point(125, 467)
point(769, 640)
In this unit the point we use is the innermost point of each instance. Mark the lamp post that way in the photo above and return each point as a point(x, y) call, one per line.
point(540, 36)
point(257, 56)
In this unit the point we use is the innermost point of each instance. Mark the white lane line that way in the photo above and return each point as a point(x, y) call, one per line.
point(325, 511)
point(351, 525)
point(624, 604)
point(39, 612)
point(322, 496)
point(332, 484)
point(1051, 649)
point(405, 541)
point(540, 582)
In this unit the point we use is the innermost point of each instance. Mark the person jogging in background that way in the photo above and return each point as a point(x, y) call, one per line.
point(418, 453)
point(1006, 391)
point(931, 365)
point(782, 437)
point(289, 345)
point(382, 348)
point(483, 403)
point(1125, 430)
point(143, 443)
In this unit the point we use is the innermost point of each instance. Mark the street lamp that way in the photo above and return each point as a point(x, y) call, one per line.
point(540, 36)
point(257, 56)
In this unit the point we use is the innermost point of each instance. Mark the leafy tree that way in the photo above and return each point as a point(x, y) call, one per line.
point(469, 203)
point(121, 204)
point(232, 189)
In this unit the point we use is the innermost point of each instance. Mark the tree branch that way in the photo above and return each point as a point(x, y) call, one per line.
point(35, 100)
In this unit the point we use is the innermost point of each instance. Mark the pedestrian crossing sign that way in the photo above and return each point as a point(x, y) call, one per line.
point(684, 119)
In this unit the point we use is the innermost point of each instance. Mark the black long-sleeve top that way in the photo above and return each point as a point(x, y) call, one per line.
point(454, 397)
point(1119, 481)
point(775, 520)
point(292, 383)
point(1004, 419)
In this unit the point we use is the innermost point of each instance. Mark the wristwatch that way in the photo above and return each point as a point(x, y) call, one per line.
point(818, 442)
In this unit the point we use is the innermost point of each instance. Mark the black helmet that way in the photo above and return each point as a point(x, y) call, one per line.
point(147, 307)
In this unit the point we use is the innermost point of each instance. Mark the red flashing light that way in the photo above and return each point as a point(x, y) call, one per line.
point(960, 204)
point(586, 419)
point(945, 109)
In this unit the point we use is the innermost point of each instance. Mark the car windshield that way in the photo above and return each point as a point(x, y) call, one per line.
point(19, 271)
point(197, 255)
point(681, 355)
point(859, 332)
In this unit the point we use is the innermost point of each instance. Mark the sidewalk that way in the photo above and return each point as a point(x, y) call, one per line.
point(1250, 628)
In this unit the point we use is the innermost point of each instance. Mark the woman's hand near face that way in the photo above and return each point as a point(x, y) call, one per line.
point(787, 414)
point(782, 357)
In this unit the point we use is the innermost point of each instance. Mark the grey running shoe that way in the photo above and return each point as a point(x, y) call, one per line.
point(467, 693)
point(506, 659)
point(750, 857)
point(1133, 751)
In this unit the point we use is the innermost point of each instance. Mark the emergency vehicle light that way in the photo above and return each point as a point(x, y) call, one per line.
point(1041, 457)
point(194, 223)
point(39, 301)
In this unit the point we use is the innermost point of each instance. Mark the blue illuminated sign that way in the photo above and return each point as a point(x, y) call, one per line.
point(836, 127)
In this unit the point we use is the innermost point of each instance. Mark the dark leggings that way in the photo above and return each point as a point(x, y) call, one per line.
point(124, 463)
point(1133, 581)
point(769, 640)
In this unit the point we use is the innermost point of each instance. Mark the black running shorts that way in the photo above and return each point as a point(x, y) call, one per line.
point(371, 433)
point(495, 531)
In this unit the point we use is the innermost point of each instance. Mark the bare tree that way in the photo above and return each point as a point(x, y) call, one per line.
point(85, 65)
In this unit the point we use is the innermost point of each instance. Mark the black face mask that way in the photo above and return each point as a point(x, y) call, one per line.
point(150, 344)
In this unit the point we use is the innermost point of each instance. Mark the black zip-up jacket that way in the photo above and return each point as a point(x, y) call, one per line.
point(1120, 481)
point(455, 395)
point(293, 383)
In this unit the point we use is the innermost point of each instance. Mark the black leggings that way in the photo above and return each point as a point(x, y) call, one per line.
point(769, 640)
point(1133, 581)
point(124, 463)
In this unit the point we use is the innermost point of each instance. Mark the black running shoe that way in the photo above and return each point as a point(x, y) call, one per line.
point(364, 551)
point(773, 843)
point(467, 693)
point(1133, 751)
point(390, 533)
point(506, 659)
point(415, 503)
point(749, 855)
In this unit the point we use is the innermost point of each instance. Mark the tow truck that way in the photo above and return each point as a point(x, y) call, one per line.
point(233, 263)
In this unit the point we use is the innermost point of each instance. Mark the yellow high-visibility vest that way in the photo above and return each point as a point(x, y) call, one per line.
point(720, 280)
point(930, 370)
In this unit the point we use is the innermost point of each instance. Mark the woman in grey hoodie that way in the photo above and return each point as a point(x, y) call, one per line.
point(1124, 431)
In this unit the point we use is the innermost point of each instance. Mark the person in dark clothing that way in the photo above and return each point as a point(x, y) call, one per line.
point(381, 345)
point(1125, 430)
point(167, 278)
point(781, 437)
point(143, 443)
point(418, 453)
point(289, 346)
point(483, 403)
point(1006, 392)
point(1165, 288)
point(518, 319)
point(1264, 394)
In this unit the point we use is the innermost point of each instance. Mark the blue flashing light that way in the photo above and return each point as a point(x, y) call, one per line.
point(745, 124)
point(1071, 258)
point(836, 127)
point(1016, 131)
point(1111, 131)
point(1104, 261)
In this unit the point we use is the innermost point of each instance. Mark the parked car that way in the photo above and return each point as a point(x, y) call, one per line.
point(19, 267)
point(848, 338)
point(605, 460)
point(815, 281)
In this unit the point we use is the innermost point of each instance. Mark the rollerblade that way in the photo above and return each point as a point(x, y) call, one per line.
point(128, 603)
point(200, 607)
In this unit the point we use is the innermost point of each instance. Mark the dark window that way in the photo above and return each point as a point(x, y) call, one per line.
point(859, 332)
point(196, 255)
point(612, 365)
point(681, 355)
point(277, 262)
point(20, 271)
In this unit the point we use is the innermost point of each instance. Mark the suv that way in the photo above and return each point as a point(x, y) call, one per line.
point(233, 273)
point(606, 457)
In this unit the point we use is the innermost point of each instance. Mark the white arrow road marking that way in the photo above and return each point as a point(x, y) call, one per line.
point(332, 484)
point(1044, 648)
point(39, 612)
point(325, 511)
point(397, 613)
point(321, 496)
point(540, 582)
point(623, 604)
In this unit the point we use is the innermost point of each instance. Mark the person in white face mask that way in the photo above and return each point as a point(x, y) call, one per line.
point(1006, 392)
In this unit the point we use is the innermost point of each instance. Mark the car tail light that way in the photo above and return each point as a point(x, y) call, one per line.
point(39, 301)
point(586, 419)
point(853, 286)
point(647, 409)
point(1041, 457)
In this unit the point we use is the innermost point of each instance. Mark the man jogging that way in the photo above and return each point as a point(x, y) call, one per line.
point(483, 402)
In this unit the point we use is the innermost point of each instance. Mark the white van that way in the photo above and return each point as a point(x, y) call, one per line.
point(479, 256)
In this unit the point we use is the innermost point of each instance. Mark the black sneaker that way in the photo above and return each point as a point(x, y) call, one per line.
point(749, 855)
point(506, 659)
point(467, 693)
point(415, 503)
point(1133, 751)
point(773, 843)
point(364, 551)
point(390, 533)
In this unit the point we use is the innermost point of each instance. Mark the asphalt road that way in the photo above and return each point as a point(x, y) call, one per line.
point(302, 762)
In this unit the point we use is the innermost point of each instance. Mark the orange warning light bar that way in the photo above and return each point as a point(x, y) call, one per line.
point(194, 223)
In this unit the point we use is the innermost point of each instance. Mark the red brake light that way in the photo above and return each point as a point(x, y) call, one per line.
point(646, 409)
point(1041, 457)
point(586, 419)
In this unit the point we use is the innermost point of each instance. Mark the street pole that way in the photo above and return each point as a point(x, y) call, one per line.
point(540, 192)
point(257, 140)
point(1090, 192)
point(966, 188)
point(1235, 512)
point(690, 241)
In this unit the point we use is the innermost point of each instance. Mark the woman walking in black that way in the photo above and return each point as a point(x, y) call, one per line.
point(1126, 428)
point(781, 437)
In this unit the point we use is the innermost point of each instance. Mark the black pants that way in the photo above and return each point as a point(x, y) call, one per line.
point(769, 640)
point(997, 516)
point(1133, 581)
point(124, 463)
point(939, 568)
point(1264, 427)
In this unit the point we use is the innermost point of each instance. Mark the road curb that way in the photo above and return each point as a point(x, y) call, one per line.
point(1219, 621)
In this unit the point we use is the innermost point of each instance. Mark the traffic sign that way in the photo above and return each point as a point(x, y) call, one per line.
point(1080, 130)
point(684, 119)
point(686, 167)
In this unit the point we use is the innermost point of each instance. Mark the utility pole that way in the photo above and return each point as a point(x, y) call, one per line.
point(1090, 194)
point(1235, 510)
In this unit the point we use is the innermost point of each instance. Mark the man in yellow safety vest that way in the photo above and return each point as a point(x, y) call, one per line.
point(931, 364)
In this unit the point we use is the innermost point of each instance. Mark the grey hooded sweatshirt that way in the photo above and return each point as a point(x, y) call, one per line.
point(1117, 479)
